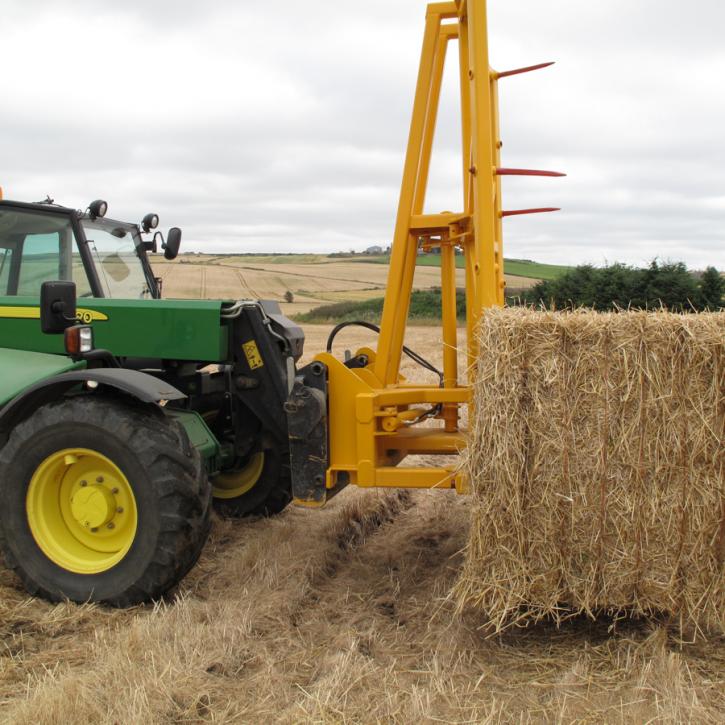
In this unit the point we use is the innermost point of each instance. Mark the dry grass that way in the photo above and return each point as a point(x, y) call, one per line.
point(598, 462)
point(339, 616)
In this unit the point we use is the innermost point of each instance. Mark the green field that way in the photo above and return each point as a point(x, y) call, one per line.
point(517, 267)
point(425, 309)
point(536, 270)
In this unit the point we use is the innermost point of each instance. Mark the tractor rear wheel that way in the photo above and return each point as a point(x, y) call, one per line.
point(103, 500)
point(261, 485)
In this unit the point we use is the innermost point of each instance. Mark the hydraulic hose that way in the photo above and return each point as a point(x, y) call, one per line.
point(370, 326)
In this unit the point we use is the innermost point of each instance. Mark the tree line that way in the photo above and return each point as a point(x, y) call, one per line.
point(618, 286)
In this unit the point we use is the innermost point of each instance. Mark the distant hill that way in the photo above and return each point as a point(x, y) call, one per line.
point(302, 282)
point(515, 267)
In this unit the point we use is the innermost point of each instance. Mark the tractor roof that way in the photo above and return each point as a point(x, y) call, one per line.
point(37, 206)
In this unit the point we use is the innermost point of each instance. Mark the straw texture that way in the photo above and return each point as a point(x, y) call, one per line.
point(597, 463)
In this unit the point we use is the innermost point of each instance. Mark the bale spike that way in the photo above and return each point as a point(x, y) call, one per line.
point(526, 172)
point(518, 212)
point(528, 69)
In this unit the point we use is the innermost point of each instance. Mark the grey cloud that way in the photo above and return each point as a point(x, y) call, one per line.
point(284, 126)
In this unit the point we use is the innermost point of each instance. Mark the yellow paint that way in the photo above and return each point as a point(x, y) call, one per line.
point(81, 511)
point(476, 229)
point(20, 313)
point(88, 316)
point(33, 313)
point(251, 351)
point(93, 506)
point(373, 411)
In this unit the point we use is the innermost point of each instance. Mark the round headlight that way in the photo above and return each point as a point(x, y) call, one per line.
point(150, 221)
point(98, 208)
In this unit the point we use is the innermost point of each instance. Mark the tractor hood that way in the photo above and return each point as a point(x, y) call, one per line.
point(168, 329)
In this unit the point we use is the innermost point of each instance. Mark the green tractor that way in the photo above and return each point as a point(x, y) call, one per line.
point(124, 416)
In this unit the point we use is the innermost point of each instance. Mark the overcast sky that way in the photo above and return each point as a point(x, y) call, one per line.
point(261, 127)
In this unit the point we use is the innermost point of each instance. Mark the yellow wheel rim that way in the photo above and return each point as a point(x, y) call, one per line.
point(81, 511)
point(236, 483)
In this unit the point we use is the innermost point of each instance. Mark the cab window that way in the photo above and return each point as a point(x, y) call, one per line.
point(36, 248)
point(40, 261)
point(6, 257)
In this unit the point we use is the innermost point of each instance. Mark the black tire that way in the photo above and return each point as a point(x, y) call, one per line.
point(163, 470)
point(271, 493)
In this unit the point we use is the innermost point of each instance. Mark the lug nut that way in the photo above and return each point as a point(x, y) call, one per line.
point(84, 483)
point(119, 510)
point(110, 525)
point(114, 490)
point(99, 479)
point(94, 530)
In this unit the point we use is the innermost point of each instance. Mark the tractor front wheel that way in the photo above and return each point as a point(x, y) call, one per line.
point(103, 500)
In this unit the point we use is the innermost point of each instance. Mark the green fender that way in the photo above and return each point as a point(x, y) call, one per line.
point(22, 376)
point(19, 369)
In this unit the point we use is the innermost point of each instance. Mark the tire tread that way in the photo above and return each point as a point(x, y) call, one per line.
point(173, 465)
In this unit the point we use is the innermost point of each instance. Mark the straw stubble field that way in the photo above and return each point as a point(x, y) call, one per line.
point(312, 280)
point(341, 615)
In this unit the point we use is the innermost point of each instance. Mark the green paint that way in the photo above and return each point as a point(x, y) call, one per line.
point(20, 369)
point(170, 329)
point(200, 436)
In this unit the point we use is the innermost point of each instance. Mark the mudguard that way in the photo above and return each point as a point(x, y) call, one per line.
point(144, 387)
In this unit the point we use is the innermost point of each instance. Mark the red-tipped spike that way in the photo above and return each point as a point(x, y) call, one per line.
point(527, 172)
point(518, 212)
point(528, 69)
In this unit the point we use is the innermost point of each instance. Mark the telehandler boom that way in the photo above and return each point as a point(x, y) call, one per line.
point(124, 418)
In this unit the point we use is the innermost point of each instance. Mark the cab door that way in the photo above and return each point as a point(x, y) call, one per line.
point(35, 247)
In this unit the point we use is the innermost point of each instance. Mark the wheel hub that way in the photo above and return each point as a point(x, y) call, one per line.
point(231, 484)
point(93, 506)
point(81, 510)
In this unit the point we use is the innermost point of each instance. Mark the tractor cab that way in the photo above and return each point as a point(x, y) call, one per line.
point(105, 258)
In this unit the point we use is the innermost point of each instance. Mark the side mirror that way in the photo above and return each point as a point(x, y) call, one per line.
point(172, 244)
point(57, 306)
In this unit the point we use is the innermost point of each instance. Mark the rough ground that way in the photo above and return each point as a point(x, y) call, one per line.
point(333, 616)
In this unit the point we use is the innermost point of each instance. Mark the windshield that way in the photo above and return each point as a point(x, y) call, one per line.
point(113, 248)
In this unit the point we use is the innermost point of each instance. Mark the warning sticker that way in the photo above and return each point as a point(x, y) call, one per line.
point(252, 353)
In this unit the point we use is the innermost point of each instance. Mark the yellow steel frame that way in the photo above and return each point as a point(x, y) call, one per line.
point(370, 408)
